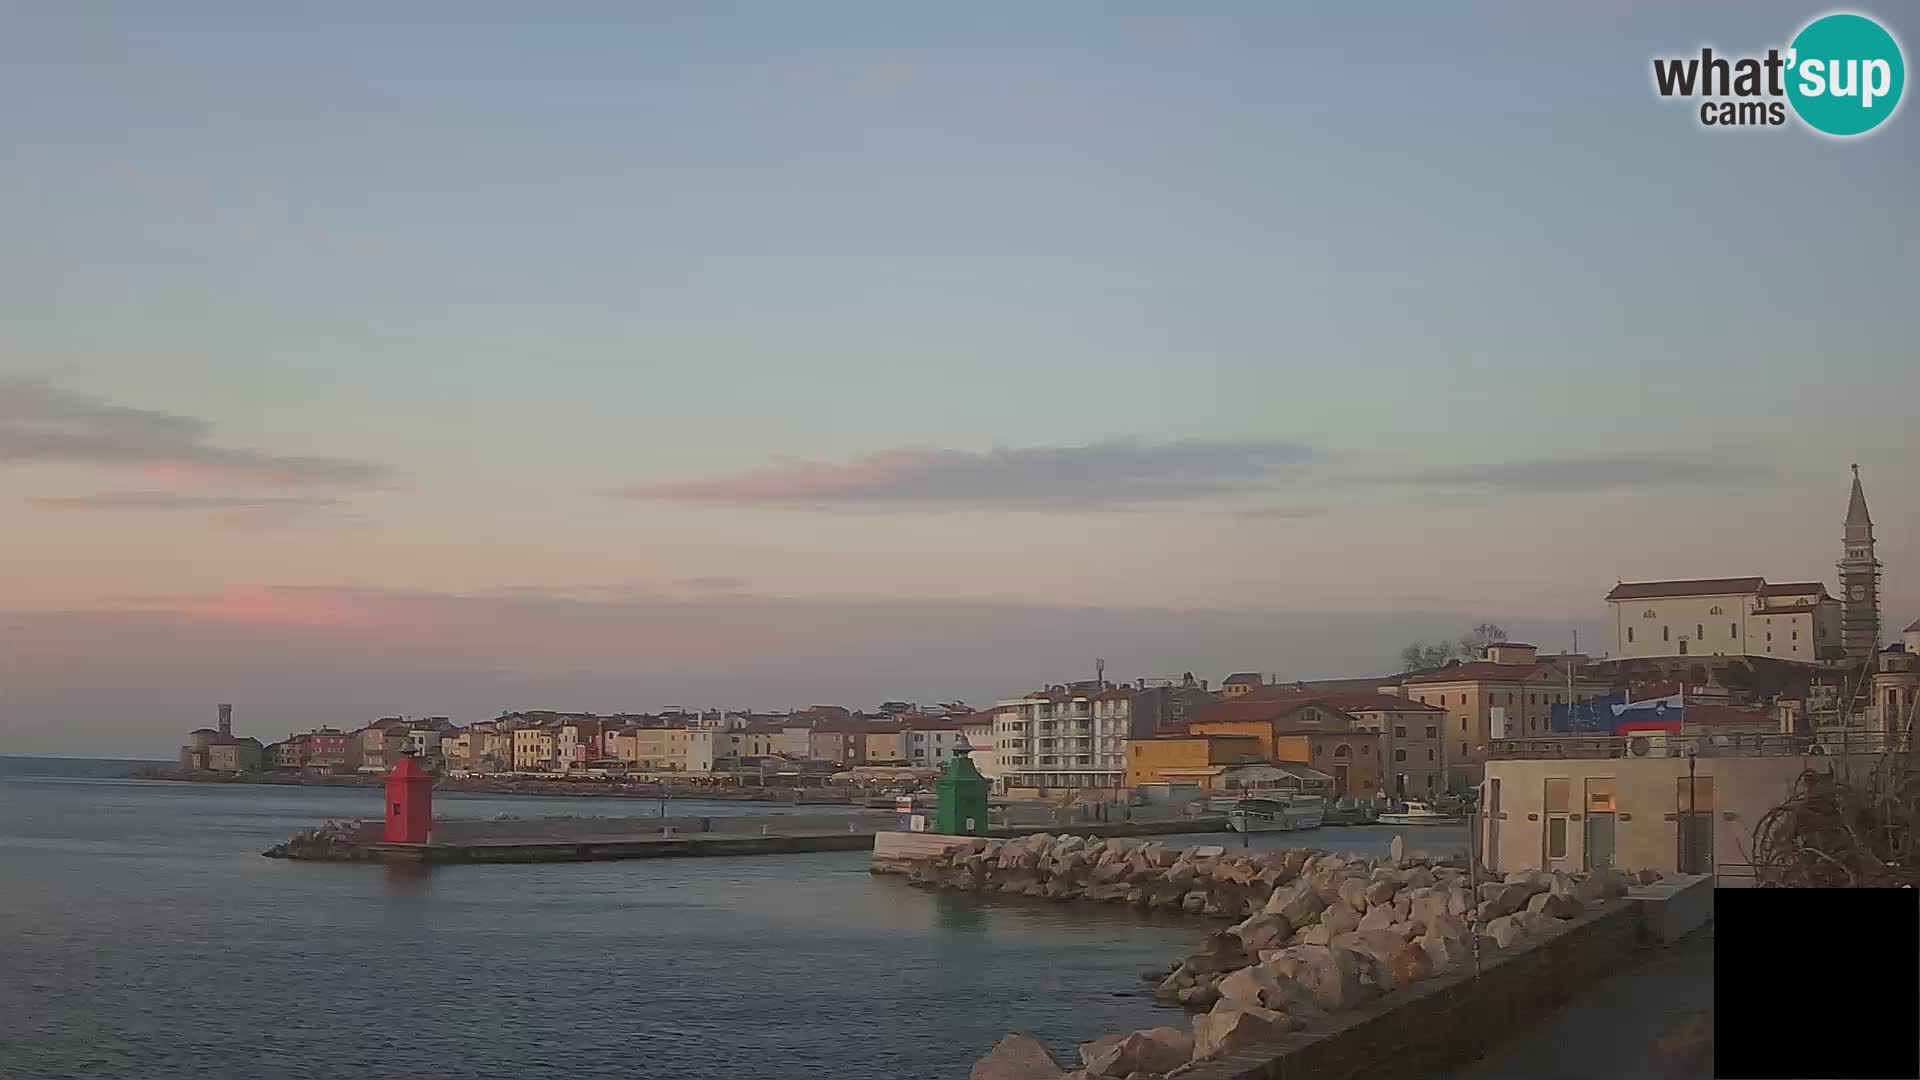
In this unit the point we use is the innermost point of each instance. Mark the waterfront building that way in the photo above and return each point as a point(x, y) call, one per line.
point(977, 729)
point(1744, 616)
point(1510, 693)
point(1682, 801)
point(757, 739)
point(533, 749)
point(886, 741)
point(215, 749)
point(665, 748)
point(930, 741)
point(1175, 758)
point(1410, 740)
point(1068, 736)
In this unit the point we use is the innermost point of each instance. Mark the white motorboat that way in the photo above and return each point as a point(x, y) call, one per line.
point(1284, 813)
point(1419, 813)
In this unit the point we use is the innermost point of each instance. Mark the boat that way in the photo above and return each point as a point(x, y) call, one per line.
point(1279, 813)
point(1419, 813)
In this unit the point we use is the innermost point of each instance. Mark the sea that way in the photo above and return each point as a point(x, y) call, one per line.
point(142, 935)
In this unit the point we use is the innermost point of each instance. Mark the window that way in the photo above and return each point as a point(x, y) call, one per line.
point(1399, 755)
point(1555, 800)
point(1433, 732)
point(1647, 614)
point(1463, 749)
point(1700, 631)
point(1429, 755)
point(1366, 749)
point(1600, 795)
point(1769, 635)
point(1733, 630)
point(1629, 635)
point(1796, 635)
point(1665, 635)
point(1701, 790)
point(1399, 732)
point(1463, 699)
point(1343, 750)
point(1715, 610)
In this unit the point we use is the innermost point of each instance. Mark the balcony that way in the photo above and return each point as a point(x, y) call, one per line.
point(1820, 744)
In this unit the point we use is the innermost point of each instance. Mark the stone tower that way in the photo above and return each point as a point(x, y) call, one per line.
point(1859, 581)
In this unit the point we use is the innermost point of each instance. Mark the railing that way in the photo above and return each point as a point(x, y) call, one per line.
point(1665, 745)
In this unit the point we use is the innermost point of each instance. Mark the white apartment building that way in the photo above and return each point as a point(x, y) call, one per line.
point(687, 750)
point(1724, 617)
point(1063, 738)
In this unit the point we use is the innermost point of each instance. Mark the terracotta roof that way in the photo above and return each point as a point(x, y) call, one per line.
point(1789, 609)
point(1646, 590)
point(1912, 628)
point(1379, 703)
point(1260, 708)
point(1793, 588)
point(1239, 677)
point(1484, 671)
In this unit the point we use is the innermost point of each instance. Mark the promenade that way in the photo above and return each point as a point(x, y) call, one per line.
point(1652, 1020)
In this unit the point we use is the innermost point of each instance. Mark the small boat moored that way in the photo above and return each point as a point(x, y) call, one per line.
point(1419, 813)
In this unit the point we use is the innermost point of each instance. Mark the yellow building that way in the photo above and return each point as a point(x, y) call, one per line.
point(886, 745)
point(1513, 685)
point(748, 742)
point(684, 750)
point(1291, 724)
point(533, 749)
point(1187, 758)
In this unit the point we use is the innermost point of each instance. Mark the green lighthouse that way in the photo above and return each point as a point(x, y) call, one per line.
point(961, 798)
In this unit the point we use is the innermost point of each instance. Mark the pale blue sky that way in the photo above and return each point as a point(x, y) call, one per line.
point(517, 258)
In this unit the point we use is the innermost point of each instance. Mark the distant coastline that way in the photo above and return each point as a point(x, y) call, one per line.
point(499, 786)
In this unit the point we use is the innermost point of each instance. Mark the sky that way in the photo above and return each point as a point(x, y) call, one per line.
point(438, 360)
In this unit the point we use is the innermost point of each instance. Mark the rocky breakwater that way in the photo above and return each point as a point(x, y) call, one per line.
point(1199, 881)
point(335, 841)
point(1319, 935)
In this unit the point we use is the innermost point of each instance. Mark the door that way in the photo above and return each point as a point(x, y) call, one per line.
point(1599, 848)
point(1694, 798)
point(1339, 781)
point(1683, 646)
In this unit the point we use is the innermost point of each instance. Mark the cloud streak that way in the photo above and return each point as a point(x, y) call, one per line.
point(1588, 475)
point(1117, 473)
point(176, 501)
point(41, 424)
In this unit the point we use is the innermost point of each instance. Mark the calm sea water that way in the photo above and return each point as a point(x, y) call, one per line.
point(142, 935)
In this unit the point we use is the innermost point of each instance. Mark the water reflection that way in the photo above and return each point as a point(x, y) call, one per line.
point(409, 879)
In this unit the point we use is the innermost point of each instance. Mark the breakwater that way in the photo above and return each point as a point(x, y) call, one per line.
point(1320, 939)
point(544, 840)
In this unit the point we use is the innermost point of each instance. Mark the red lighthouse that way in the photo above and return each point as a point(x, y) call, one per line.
point(409, 803)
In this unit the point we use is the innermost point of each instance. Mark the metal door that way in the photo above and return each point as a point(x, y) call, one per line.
point(1599, 846)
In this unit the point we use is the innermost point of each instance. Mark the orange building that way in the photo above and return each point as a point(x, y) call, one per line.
point(1291, 724)
point(1187, 758)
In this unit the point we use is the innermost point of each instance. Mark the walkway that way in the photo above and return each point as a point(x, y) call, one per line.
point(1650, 1021)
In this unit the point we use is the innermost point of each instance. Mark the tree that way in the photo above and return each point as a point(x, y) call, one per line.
point(1473, 644)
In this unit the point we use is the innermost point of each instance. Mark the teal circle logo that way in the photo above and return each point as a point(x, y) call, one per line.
point(1844, 74)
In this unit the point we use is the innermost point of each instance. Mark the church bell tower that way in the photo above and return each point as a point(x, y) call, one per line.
point(1859, 581)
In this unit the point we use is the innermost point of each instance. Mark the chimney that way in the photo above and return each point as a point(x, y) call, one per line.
point(226, 721)
point(1203, 685)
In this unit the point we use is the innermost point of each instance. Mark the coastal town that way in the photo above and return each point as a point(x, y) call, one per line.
point(1748, 673)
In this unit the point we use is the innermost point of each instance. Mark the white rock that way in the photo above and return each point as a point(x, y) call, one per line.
point(1218, 1033)
point(1019, 1056)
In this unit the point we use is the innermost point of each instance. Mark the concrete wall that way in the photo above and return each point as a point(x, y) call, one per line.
point(1437, 1024)
point(1646, 801)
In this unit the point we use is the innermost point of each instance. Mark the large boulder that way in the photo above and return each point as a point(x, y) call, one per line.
point(1378, 918)
point(1408, 964)
point(1019, 1056)
point(1341, 919)
point(1264, 932)
point(1459, 900)
point(1298, 903)
point(1353, 892)
point(1231, 1031)
point(1397, 851)
point(1381, 892)
point(1156, 1050)
point(1446, 952)
point(1334, 982)
point(1256, 986)
point(1505, 930)
point(1555, 905)
point(1504, 899)
point(1097, 1049)
point(1419, 878)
